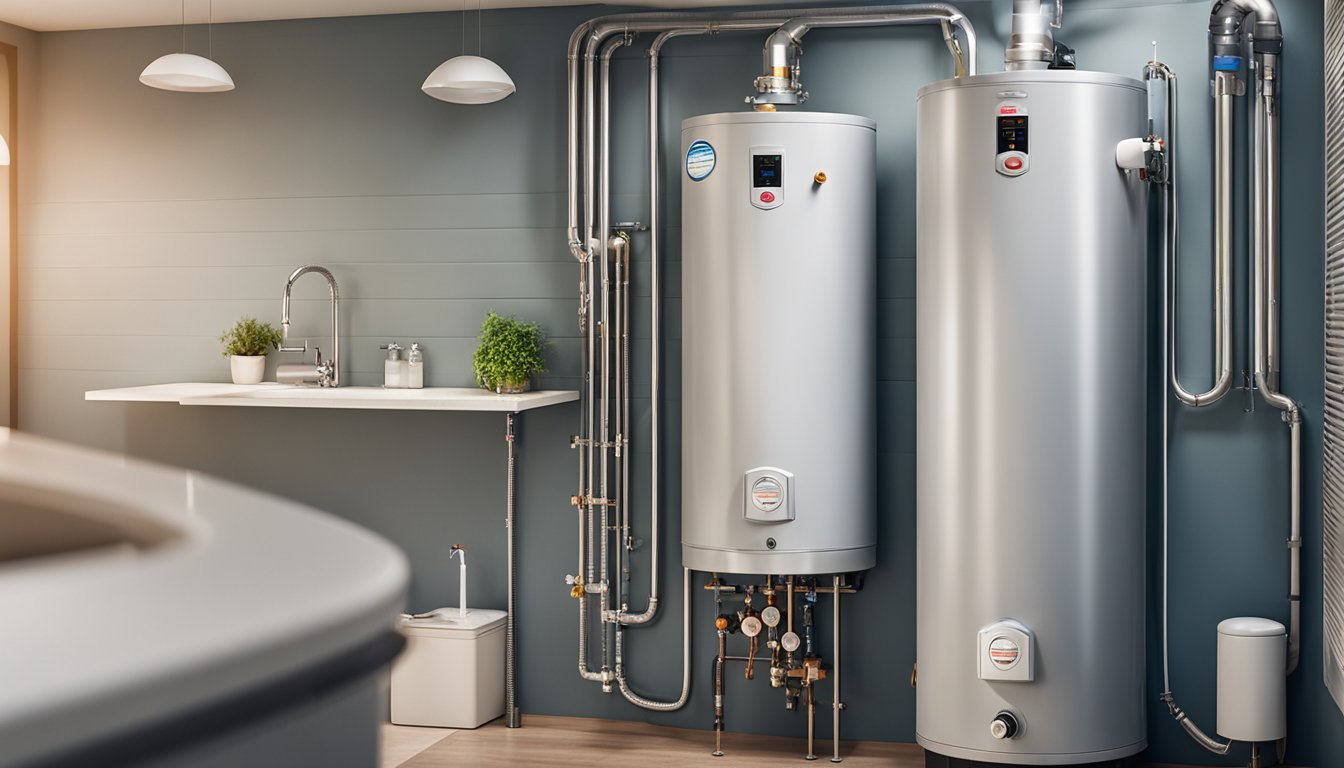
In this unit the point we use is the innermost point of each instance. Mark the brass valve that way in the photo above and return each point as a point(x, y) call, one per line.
point(721, 623)
point(819, 178)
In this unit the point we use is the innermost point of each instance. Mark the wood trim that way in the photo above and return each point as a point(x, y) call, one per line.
point(11, 55)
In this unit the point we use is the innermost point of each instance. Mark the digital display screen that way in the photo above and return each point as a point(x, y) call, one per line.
point(767, 170)
point(1012, 133)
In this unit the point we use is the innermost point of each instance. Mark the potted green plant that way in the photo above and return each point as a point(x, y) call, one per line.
point(246, 345)
point(509, 353)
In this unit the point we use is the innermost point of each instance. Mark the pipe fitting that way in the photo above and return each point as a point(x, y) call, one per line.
point(1031, 44)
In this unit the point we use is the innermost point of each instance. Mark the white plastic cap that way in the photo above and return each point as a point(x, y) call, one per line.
point(1250, 626)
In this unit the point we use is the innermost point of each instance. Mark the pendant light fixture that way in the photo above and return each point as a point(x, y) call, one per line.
point(468, 79)
point(187, 72)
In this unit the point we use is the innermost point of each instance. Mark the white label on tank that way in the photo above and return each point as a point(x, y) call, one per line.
point(1004, 652)
point(767, 494)
point(700, 160)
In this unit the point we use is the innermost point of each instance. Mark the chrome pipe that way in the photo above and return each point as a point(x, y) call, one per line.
point(1222, 346)
point(802, 22)
point(577, 246)
point(655, 333)
point(1222, 254)
point(1031, 45)
point(511, 711)
point(835, 672)
point(1265, 235)
point(667, 706)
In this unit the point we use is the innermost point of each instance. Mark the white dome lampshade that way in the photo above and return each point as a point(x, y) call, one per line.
point(186, 72)
point(468, 80)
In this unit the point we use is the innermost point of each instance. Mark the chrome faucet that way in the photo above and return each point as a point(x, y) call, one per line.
point(327, 373)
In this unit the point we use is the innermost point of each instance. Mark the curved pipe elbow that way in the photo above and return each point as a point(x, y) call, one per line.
point(640, 618)
point(1227, 21)
point(1221, 387)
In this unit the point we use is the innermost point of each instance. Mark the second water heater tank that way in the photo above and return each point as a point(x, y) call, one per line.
point(1031, 481)
point(778, 342)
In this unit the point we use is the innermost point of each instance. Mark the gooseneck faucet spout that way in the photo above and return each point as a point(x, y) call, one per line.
point(328, 372)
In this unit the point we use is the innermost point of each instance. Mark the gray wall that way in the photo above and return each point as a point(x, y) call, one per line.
point(153, 220)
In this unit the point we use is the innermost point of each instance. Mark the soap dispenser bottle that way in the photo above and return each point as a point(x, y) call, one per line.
point(415, 367)
point(392, 378)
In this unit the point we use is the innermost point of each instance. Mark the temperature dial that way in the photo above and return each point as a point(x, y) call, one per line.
point(790, 641)
point(1004, 726)
point(751, 626)
point(770, 615)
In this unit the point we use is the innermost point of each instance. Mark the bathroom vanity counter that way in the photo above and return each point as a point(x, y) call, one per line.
point(142, 609)
point(272, 395)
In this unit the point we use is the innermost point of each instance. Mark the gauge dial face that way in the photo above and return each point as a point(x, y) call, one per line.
point(770, 615)
point(790, 641)
point(751, 626)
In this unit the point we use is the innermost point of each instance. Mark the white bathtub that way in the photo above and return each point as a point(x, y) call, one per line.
point(151, 616)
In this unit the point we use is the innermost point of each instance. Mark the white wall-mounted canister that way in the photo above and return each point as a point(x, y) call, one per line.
point(1252, 679)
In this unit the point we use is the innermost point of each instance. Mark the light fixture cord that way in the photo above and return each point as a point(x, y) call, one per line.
point(210, 31)
point(184, 26)
point(479, 50)
point(464, 27)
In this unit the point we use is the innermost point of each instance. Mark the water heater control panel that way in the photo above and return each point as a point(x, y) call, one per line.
point(767, 177)
point(1010, 157)
point(1005, 652)
point(768, 495)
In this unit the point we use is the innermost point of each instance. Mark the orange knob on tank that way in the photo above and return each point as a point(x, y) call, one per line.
point(721, 623)
point(819, 178)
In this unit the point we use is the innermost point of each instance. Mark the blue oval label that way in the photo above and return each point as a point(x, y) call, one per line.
point(700, 160)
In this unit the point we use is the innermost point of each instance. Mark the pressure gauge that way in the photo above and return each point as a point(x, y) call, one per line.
point(751, 626)
point(770, 615)
point(790, 641)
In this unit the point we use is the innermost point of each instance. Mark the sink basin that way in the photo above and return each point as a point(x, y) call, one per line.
point(36, 522)
point(136, 597)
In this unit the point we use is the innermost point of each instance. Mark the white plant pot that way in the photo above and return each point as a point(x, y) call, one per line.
point(247, 369)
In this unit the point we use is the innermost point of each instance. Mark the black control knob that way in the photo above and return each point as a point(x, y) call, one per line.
point(1004, 726)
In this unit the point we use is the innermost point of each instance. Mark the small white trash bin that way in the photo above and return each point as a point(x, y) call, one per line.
point(451, 674)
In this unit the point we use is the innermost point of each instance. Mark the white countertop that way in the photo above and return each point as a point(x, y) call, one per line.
point(272, 395)
point(246, 587)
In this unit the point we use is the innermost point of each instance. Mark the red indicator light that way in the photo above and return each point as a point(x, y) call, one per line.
point(767, 197)
point(1013, 163)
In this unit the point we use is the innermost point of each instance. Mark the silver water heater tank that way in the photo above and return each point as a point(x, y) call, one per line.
point(778, 343)
point(1030, 359)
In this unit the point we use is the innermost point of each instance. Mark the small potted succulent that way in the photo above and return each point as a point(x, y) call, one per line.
point(510, 352)
point(246, 345)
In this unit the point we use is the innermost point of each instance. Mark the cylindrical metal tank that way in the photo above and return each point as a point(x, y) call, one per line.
point(778, 343)
point(1031, 306)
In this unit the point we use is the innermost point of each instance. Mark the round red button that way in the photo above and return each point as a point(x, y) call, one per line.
point(767, 197)
point(1013, 163)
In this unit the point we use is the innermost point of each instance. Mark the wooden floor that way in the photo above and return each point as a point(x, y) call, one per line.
point(581, 742)
point(561, 742)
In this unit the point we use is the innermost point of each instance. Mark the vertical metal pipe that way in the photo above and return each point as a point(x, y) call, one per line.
point(510, 635)
point(1222, 258)
point(835, 672)
point(625, 543)
point(1259, 289)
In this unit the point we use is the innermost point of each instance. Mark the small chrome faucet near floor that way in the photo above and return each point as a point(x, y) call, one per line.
point(324, 373)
